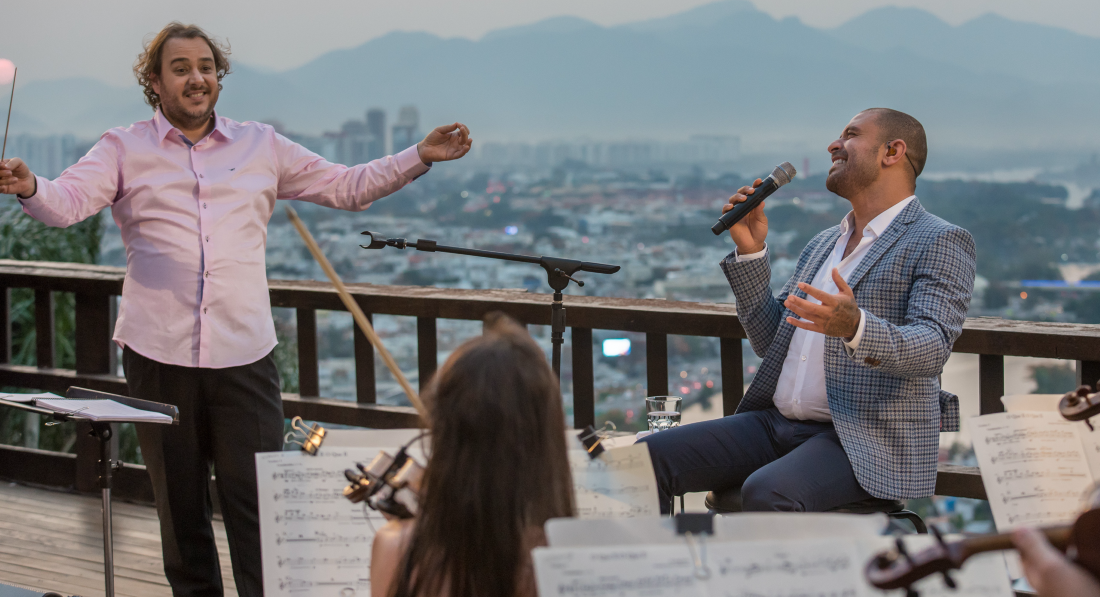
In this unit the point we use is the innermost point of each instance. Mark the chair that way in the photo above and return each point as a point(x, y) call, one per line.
point(729, 501)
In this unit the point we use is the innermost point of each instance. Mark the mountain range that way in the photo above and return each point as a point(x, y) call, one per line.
point(723, 68)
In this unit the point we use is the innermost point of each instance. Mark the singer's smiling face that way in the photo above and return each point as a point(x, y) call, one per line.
point(187, 83)
point(856, 159)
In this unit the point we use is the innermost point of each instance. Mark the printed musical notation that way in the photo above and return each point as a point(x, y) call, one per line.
point(620, 571)
point(619, 483)
point(831, 567)
point(1034, 467)
point(313, 541)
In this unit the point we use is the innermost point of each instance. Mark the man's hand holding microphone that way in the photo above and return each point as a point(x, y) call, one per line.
point(836, 315)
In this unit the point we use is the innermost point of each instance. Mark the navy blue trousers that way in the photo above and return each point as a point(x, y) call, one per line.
point(780, 464)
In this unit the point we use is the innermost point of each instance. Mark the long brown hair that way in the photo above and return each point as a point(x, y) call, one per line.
point(147, 65)
point(498, 468)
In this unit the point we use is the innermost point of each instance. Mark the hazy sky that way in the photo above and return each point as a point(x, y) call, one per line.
point(51, 39)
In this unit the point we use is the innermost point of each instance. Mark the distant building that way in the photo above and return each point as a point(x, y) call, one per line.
point(406, 132)
point(698, 149)
point(376, 128)
point(47, 156)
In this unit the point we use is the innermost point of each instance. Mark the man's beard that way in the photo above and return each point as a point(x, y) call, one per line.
point(854, 176)
point(173, 109)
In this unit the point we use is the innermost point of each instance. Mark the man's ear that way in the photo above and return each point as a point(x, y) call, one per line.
point(154, 82)
point(895, 152)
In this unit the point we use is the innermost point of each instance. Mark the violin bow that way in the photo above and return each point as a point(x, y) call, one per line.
point(356, 312)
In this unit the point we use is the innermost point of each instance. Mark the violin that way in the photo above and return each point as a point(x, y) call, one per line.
point(1080, 405)
point(898, 569)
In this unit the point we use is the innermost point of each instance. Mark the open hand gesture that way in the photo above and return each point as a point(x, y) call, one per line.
point(836, 316)
point(445, 143)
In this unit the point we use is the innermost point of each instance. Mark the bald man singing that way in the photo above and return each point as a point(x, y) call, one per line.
point(192, 193)
point(846, 408)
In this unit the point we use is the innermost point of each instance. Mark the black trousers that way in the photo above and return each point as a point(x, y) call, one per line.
point(226, 417)
point(780, 464)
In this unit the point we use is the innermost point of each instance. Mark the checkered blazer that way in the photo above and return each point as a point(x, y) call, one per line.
point(914, 286)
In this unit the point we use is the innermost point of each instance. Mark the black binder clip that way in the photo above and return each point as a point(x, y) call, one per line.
point(696, 525)
point(591, 438)
point(308, 437)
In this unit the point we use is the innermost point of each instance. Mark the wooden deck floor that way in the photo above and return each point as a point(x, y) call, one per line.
point(53, 541)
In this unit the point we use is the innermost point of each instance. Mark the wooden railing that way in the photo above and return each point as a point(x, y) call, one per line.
point(95, 287)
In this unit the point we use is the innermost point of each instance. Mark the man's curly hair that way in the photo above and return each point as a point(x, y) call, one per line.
point(148, 62)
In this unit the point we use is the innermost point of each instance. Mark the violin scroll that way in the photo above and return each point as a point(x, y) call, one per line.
point(1080, 405)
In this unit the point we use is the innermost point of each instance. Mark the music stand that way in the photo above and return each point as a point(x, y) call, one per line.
point(102, 431)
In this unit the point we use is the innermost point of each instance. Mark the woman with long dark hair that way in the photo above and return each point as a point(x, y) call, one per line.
point(498, 470)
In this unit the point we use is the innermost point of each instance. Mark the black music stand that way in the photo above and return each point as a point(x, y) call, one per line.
point(102, 431)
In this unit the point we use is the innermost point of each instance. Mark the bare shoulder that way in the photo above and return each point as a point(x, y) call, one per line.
point(387, 552)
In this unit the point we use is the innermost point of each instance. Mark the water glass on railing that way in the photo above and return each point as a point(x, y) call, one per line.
point(663, 412)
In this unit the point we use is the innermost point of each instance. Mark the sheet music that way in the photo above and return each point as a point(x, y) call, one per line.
point(314, 541)
point(619, 483)
point(806, 568)
point(620, 571)
point(1033, 467)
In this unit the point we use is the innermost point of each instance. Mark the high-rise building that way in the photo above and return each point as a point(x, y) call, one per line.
point(406, 132)
point(376, 130)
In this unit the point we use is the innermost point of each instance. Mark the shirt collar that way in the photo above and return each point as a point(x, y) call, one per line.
point(881, 222)
point(163, 127)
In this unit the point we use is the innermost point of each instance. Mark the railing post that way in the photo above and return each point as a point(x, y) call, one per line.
point(656, 364)
point(43, 328)
point(733, 374)
point(584, 382)
point(1088, 373)
point(991, 383)
point(426, 349)
point(309, 383)
point(5, 325)
point(93, 333)
point(365, 392)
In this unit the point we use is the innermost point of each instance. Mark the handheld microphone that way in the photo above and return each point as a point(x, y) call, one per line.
point(782, 174)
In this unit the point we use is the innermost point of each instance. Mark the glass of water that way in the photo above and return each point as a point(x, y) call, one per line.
point(663, 412)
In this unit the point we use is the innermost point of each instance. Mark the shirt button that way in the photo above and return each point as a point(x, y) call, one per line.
point(207, 274)
point(803, 357)
point(204, 309)
point(201, 176)
point(208, 239)
point(204, 206)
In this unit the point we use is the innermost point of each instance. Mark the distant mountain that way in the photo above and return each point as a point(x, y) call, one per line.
point(723, 68)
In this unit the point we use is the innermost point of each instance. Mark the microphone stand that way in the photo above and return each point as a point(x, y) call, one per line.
point(559, 273)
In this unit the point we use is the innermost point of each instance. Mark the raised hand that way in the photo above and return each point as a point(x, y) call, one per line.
point(836, 316)
point(445, 143)
point(750, 232)
point(16, 178)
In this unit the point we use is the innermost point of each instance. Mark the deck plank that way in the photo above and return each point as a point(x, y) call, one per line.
point(52, 540)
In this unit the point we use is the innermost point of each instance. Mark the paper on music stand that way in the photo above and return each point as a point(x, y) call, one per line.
point(102, 410)
point(618, 483)
point(1034, 467)
point(313, 540)
point(620, 571)
point(28, 397)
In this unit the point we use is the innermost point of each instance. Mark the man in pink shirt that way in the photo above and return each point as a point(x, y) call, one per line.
point(192, 193)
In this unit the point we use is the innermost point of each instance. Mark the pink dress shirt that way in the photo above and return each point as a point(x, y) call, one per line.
point(194, 223)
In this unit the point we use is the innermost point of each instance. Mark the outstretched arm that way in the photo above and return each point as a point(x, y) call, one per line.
point(306, 176)
point(81, 191)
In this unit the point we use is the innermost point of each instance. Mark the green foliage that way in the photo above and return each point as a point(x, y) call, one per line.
point(1054, 379)
point(286, 351)
point(23, 238)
